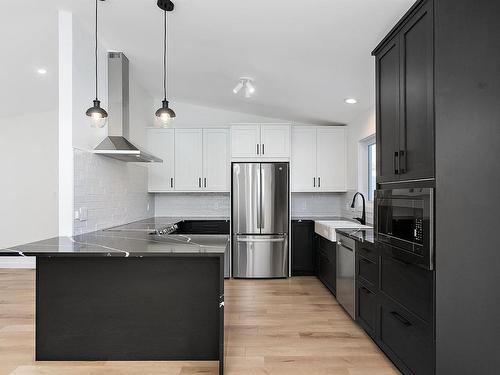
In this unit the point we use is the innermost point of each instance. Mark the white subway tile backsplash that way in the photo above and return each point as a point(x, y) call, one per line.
point(317, 204)
point(193, 204)
point(113, 192)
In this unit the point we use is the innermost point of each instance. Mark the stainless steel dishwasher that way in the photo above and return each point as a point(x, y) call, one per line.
point(345, 273)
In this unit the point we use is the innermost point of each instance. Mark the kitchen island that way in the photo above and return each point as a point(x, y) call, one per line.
point(129, 294)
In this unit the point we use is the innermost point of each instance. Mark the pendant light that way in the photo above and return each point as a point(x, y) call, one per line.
point(165, 114)
point(97, 115)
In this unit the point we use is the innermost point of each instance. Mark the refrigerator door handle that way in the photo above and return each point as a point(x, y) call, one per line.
point(239, 239)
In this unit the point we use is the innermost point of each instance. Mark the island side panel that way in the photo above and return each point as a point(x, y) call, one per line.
point(136, 308)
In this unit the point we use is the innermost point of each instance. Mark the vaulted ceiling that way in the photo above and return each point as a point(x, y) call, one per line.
point(306, 57)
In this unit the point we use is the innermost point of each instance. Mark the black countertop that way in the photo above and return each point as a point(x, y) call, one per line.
point(361, 235)
point(132, 239)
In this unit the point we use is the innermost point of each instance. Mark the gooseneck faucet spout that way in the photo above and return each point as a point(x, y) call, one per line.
point(361, 219)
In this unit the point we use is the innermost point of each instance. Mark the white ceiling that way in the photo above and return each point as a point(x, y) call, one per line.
point(305, 56)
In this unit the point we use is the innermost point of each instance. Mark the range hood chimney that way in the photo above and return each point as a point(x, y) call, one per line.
point(116, 145)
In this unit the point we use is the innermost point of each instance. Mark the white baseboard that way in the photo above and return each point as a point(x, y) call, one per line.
point(17, 262)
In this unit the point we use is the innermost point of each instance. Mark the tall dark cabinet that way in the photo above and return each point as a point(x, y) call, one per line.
point(438, 124)
point(405, 109)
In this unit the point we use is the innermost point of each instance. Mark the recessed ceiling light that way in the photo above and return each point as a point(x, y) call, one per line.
point(350, 101)
point(41, 71)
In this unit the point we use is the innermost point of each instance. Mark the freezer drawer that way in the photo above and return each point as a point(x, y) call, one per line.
point(260, 256)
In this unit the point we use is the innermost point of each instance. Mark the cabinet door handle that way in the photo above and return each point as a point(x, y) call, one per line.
point(199, 182)
point(314, 181)
point(319, 181)
point(402, 155)
point(205, 182)
point(171, 182)
point(263, 149)
point(257, 149)
point(396, 162)
point(401, 319)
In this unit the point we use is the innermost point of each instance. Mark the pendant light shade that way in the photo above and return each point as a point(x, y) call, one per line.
point(97, 115)
point(164, 113)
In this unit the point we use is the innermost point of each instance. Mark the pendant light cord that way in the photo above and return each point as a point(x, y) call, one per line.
point(95, 52)
point(165, 54)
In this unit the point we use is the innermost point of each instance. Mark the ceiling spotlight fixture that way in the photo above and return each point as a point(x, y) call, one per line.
point(164, 113)
point(97, 115)
point(247, 84)
point(41, 71)
point(350, 101)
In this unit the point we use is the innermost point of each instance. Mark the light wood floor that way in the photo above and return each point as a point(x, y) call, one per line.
point(282, 327)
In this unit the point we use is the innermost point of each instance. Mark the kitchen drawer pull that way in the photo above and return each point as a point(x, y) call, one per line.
point(401, 319)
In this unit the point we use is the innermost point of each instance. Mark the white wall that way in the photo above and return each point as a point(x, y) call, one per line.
point(28, 127)
point(192, 115)
point(29, 186)
point(359, 129)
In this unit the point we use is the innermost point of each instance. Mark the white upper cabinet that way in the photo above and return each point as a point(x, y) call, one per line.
point(275, 141)
point(260, 141)
point(245, 141)
point(161, 144)
point(318, 162)
point(216, 159)
point(188, 159)
point(303, 163)
point(331, 158)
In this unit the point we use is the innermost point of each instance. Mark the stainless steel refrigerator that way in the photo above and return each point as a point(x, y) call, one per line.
point(260, 220)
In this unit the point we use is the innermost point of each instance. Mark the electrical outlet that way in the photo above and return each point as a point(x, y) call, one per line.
point(82, 213)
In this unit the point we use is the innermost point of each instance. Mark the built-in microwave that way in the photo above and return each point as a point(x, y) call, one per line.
point(404, 224)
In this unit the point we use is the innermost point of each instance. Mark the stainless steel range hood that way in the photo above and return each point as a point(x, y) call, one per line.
point(116, 145)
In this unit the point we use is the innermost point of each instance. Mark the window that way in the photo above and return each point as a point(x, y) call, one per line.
point(372, 169)
point(367, 168)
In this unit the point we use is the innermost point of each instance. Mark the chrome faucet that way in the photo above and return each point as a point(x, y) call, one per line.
point(361, 219)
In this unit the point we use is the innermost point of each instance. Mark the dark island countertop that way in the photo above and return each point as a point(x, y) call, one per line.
point(134, 239)
point(361, 235)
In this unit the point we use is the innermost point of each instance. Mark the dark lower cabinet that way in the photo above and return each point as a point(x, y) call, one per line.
point(367, 309)
point(410, 285)
point(406, 339)
point(326, 263)
point(302, 248)
point(395, 306)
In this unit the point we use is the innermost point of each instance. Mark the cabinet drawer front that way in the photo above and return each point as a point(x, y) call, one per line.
point(367, 271)
point(327, 246)
point(366, 308)
point(408, 338)
point(409, 285)
point(367, 250)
